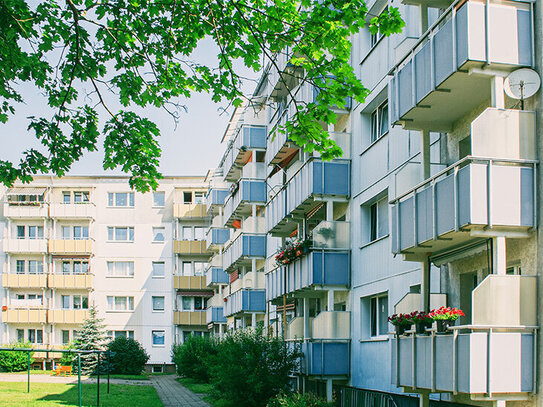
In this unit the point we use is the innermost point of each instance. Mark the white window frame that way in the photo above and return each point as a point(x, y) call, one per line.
point(114, 268)
point(112, 232)
point(374, 210)
point(160, 333)
point(112, 200)
point(163, 199)
point(157, 232)
point(376, 122)
point(375, 38)
point(112, 303)
point(380, 331)
point(163, 303)
point(163, 263)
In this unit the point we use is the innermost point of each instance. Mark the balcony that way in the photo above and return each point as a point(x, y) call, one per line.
point(442, 79)
point(332, 326)
point(249, 281)
point(189, 283)
point(25, 246)
point(242, 249)
point(25, 210)
point(190, 211)
point(215, 199)
point(323, 358)
point(24, 316)
point(215, 315)
point(317, 269)
point(84, 210)
point(241, 200)
point(249, 138)
point(473, 196)
point(83, 247)
point(216, 276)
point(305, 190)
point(493, 357)
point(189, 318)
point(216, 238)
point(249, 301)
point(67, 316)
point(190, 247)
point(70, 281)
point(24, 280)
point(284, 75)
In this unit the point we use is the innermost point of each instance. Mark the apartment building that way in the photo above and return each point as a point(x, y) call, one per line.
point(74, 242)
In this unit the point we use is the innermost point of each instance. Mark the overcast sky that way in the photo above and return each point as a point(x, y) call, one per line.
point(190, 149)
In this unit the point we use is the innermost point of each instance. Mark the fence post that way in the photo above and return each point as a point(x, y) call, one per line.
point(98, 382)
point(28, 372)
point(79, 378)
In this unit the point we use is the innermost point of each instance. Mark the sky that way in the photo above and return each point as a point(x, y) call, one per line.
point(191, 148)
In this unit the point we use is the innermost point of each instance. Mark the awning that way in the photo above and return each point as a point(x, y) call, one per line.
point(71, 256)
point(26, 191)
point(283, 163)
point(196, 293)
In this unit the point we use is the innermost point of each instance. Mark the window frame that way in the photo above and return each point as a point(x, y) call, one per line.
point(129, 268)
point(376, 122)
point(112, 200)
point(156, 232)
point(157, 263)
point(162, 334)
point(159, 193)
point(111, 305)
point(158, 297)
point(113, 230)
point(374, 217)
point(377, 300)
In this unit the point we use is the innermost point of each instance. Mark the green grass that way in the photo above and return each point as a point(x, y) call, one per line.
point(203, 388)
point(51, 395)
point(125, 377)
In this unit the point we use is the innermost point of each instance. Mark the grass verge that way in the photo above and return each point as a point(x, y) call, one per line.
point(205, 389)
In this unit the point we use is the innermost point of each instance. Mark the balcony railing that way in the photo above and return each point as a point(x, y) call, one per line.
point(24, 280)
point(71, 246)
point(474, 193)
point(18, 304)
point(240, 201)
point(247, 300)
point(67, 316)
point(70, 281)
point(24, 316)
point(25, 245)
point(244, 248)
point(215, 276)
point(190, 210)
point(189, 318)
point(215, 315)
point(249, 138)
point(84, 210)
point(316, 179)
point(215, 198)
point(25, 210)
point(431, 90)
point(316, 269)
point(216, 237)
point(190, 247)
point(189, 283)
point(326, 358)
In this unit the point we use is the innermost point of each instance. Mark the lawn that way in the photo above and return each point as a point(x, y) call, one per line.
point(203, 388)
point(51, 395)
point(144, 376)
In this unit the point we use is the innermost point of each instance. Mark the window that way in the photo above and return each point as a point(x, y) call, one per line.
point(379, 219)
point(159, 199)
point(35, 232)
point(65, 337)
point(158, 338)
point(66, 198)
point(120, 199)
point(120, 303)
point(120, 234)
point(158, 269)
point(158, 369)
point(187, 268)
point(65, 299)
point(187, 303)
point(66, 267)
point(120, 269)
point(159, 234)
point(118, 334)
point(379, 122)
point(35, 336)
point(374, 39)
point(80, 267)
point(81, 232)
point(187, 233)
point(20, 266)
point(199, 197)
point(198, 233)
point(187, 197)
point(20, 232)
point(20, 335)
point(81, 197)
point(158, 303)
point(66, 232)
point(35, 267)
point(379, 315)
point(81, 302)
point(199, 268)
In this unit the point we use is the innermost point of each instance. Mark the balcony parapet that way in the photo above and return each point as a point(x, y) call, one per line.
point(83, 210)
point(326, 358)
point(67, 316)
point(216, 276)
point(190, 211)
point(191, 247)
point(24, 316)
point(10, 280)
point(216, 238)
point(189, 283)
point(245, 301)
point(243, 196)
point(26, 210)
point(71, 247)
point(248, 138)
point(70, 281)
point(244, 248)
point(215, 199)
point(189, 318)
point(214, 315)
point(25, 245)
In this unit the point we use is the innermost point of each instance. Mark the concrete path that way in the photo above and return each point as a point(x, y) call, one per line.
point(173, 394)
point(39, 378)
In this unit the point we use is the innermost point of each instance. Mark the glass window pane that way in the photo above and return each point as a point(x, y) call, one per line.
point(159, 234)
point(198, 233)
point(187, 197)
point(66, 197)
point(158, 269)
point(159, 199)
point(110, 199)
point(158, 303)
point(131, 334)
point(131, 234)
point(65, 267)
point(20, 232)
point(187, 233)
point(85, 302)
point(110, 232)
point(131, 197)
point(20, 266)
point(187, 268)
point(131, 303)
point(39, 336)
point(383, 315)
point(158, 337)
point(20, 335)
point(382, 213)
point(373, 316)
point(187, 303)
point(65, 301)
point(198, 268)
point(121, 199)
point(121, 234)
point(197, 303)
point(373, 222)
point(77, 302)
point(383, 119)
point(110, 303)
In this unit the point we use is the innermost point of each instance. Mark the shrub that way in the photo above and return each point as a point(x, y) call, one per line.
point(298, 400)
point(15, 361)
point(129, 356)
point(250, 369)
point(67, 358)
point(195, 357)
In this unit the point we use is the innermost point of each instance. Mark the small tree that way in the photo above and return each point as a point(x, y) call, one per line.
point(67, 358)
point(129, 357)
point(90, 337)
point(250, 369)
point(195, 356)
point(15, 361)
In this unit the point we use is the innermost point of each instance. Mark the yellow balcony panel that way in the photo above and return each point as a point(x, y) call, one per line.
point(70, 246)
point(24, 316)
point(25, 245)
point(85, 210)
point(78, 281)
point(190, 211)
point(28, 211)
point(194, 247)
point(24, 280)
point(189, 283)
point(67, 316)
point(189, 318)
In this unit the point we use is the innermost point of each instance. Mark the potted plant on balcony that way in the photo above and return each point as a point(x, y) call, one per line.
point(445, 317)
point(422, 321)
point(401, 322)
point(292, 251)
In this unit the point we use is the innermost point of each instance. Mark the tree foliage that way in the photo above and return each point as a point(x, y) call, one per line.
point(298, 400)
point(137, 53)
point(15, 361)
point(91, 336)
point(195, 357)
point(128, 356)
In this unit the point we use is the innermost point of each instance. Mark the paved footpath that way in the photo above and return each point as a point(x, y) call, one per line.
point(173, 394)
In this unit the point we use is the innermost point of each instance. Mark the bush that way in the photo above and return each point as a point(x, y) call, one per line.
point(67, 358)
point(298, 400)
point(195, 357)
point(130, 357)
point(15, 361)
point(250, 369)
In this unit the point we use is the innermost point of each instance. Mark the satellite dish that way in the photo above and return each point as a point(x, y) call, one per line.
point(521, 84)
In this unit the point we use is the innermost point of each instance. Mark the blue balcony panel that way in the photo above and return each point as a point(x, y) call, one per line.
point(215, 315)
point(216, 275)
point(249, 138)
point(244, 248)
point(318, 268)
point(216, 197)
point(245, 301)
point(217, 237)
point(326, 358)
point(239, 203)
